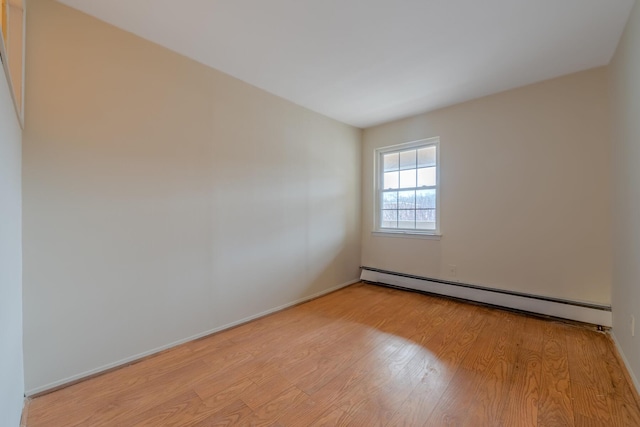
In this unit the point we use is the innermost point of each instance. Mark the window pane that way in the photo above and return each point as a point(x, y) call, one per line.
point(426, 219)
point(408, 160)
point(390, 200)
point(391, 180)
point(426, 199)
point(406, 219)
point(407, 178)
point(407, 200)
point(389, 219)
point(427, 157)
point(426, 177)
point(391, 162)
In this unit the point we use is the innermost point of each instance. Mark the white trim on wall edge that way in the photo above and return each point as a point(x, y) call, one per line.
point(128, 360)
point(634, 379)
point(521, 302)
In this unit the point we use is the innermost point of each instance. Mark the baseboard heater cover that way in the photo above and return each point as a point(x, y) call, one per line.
point(595, 314)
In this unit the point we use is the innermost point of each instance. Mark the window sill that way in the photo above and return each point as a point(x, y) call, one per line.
point(407, 234)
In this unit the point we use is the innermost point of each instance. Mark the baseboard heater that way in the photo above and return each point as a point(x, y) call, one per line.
point(565, 309)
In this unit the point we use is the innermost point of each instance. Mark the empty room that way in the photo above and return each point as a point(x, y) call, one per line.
point(306, 213)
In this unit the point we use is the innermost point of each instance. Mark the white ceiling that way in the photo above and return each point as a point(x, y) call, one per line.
point(366, 62)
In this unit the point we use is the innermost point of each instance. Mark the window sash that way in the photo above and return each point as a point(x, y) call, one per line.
point(412, 214)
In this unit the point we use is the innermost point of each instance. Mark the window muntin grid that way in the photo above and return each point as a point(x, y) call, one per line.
point(408, 188)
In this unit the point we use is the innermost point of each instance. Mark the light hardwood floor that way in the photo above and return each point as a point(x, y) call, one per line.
point(365, 356)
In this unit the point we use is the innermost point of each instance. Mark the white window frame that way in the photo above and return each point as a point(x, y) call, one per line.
point(378, 189)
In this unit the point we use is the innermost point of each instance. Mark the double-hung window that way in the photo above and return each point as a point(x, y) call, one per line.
point(407, 187)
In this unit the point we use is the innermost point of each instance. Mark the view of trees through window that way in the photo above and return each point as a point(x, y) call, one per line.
point(409, 189)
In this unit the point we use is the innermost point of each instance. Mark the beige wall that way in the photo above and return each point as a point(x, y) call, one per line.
point(525, 178)
point(625, 71)
point(163, 199)
point(11, 372)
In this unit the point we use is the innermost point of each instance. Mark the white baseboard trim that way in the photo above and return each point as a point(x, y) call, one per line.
point(572, 310)
point(131, 359)
point(632, 375)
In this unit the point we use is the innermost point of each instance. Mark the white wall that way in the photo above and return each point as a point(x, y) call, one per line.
point(11, 371)
point(164, 199)
point(525, 202)
point(625, 72)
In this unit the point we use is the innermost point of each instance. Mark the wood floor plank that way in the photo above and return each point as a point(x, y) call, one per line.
point(380, 386)
point(143, 398)
point(521, 407)
point(585, 360)
point(481, 381)
point(422, 399)
point(268, 413)
point(365, 356)
point(452, 351)
point(352, 390)
point(555, 408)
point(234, 414)
point(531, 336)
point(590, 406)
point(102, 408)
point(308, 412)
point(482, 357)
point(489, 400)
point(177, 411)
point(219, 392)
point(459, 392)
point(453, 342)
point(315, 372)
point(269, 384)
point(624, 407)
point(622, 384)
point(97, 390)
